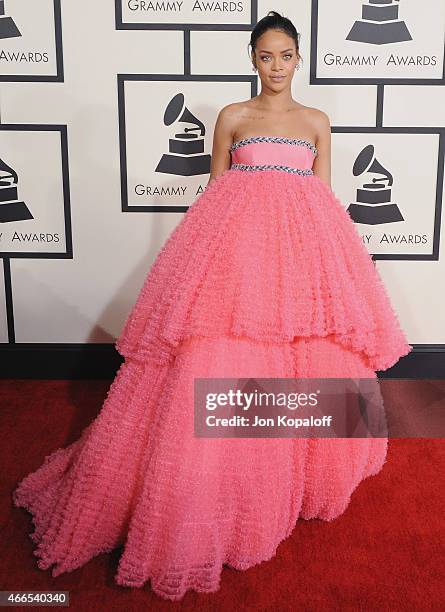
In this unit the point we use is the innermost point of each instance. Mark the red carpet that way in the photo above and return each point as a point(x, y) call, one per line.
point(386, 552)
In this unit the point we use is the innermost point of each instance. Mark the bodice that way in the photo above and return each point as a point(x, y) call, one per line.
point(273, 153)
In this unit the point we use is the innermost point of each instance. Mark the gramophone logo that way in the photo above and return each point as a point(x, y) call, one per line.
point(8, 28)
point(11, 208)
point(380, 24)
point(373, 205)
point(185, 155)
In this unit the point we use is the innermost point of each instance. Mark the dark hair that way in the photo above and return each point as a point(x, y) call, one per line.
point(274, 21)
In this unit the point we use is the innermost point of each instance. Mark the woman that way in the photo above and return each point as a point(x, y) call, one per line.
point(265, 276)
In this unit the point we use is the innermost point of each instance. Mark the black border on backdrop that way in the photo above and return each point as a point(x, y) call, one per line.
point(45, 78)
point(315, 80)
point(149, 25)
point(121, 79)
point(62, 129)
point(434, 255)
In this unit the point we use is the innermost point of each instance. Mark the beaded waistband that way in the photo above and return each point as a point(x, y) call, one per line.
point(303, 171)
point(276, 139)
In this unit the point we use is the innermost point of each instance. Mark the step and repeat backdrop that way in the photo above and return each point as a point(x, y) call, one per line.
point(107, 112)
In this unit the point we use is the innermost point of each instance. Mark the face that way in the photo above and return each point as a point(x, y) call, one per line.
point(275, 58)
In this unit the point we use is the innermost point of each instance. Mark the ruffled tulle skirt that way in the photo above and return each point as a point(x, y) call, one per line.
point(265, 276)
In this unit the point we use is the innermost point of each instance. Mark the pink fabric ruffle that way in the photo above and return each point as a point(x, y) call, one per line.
point(265, 276)
point(180, 506)
point(267, 255)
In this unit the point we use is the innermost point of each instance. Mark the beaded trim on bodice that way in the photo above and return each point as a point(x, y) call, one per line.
point(302, 171)
point(278, 139)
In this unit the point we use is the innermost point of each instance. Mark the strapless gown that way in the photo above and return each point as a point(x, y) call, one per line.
point(264, 276)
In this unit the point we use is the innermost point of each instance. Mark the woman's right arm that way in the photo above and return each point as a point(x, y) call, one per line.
point(222, 139)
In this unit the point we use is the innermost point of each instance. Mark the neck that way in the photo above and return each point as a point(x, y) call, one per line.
point(276, 101)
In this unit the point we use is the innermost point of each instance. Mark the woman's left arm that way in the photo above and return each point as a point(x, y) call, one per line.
point(322, 163)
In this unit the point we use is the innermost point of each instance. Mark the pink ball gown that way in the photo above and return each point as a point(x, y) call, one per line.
point(264, 276)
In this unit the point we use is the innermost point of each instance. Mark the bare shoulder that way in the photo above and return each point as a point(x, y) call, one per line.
point(319, 119)
point(229, 119)
point(232, 111)
point(235, 112)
